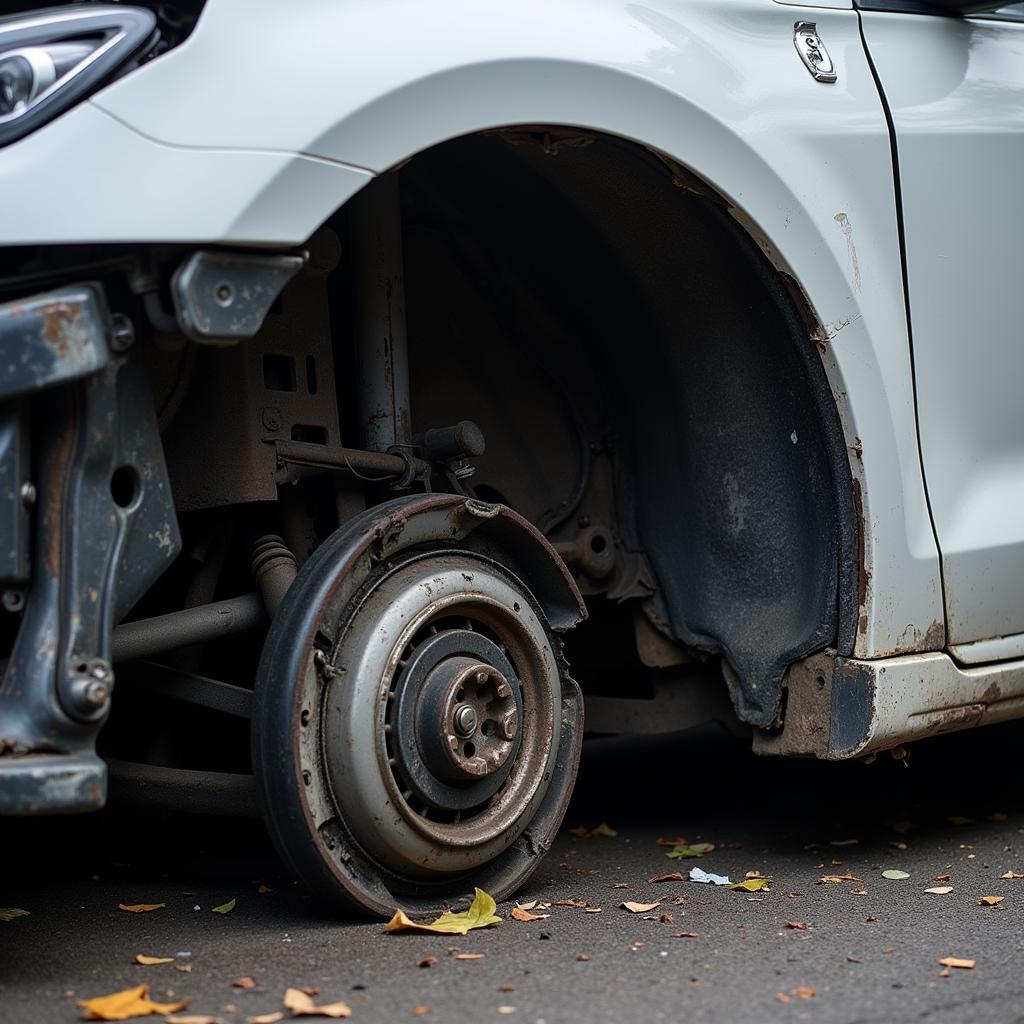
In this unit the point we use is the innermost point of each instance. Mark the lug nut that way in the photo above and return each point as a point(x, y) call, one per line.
point(509, 724)
point(465, 720)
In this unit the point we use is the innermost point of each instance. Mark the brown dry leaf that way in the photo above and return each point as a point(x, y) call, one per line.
point(686, 935)
point(592, 910)
point(193, 1018)
point(302, 1005)
point(266, 1018)
point(858, 892)
point(506, 988)
point(672, 876)
point(959, 819)
point(582, 958)
point(678, 841)
point(244, 982)
point(469, 956)
point(149, 961)
point(955, 961)
point(836, 879)
point(130, 1002)
point(945, 973)
point(420, 1010)
point(619, 885)
point(184, 968)
point(570, 903)
point(941, 878)
point(990, 901)
point(140, 908)
point(782, 997)
point(427, 961)
point(797, 926)
point(940, 890)
point(803, 992)
point(604, 829)
point(480, 915)
point(639, 908)
point(524, 915)
point(1012, 874)
point(264, 889)
point(667, 919)
point(10, 913)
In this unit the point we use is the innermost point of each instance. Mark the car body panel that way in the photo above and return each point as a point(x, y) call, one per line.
point(956, 92)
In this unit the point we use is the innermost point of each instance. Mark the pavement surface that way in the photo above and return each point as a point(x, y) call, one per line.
point(869, 951)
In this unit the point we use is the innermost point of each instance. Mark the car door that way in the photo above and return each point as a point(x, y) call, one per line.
point(954, 89)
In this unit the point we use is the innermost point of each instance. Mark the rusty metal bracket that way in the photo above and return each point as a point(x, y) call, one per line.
point(105, 530)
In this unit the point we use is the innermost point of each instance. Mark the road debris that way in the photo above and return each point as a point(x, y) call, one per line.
point(479, 915)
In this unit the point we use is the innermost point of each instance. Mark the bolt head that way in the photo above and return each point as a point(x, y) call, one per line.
point(465, 720)
point(122, 333)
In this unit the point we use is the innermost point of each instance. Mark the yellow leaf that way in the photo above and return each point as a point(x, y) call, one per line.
point(954, 961)
point(752, 884)
point(990, 901)
point(480, 915)
point(140, 908)
point(639, 908)
point(10, 913)
point(302, 1005)
point(148, 961)
point(1005, 874)
point(225, 908)
point(131, 1002)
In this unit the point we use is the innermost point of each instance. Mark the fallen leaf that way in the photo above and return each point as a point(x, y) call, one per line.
point(1012, 874)
point(990, 901)
point(835, 879)
point(264, 889)
point(592, 910)
point(899, 846)
point(302, 1005)
point(797, 926)
point(420, 1010)
point(639, 908)
point(941, 878)
point(582, 958)
point(193, 1018)
point(686, 935)
point(184, 968)
point(782, 997)
point(619, 885)
point(580, 830)
point(752, 884)
point(895, 874)
point(427, 961)
point(506, 1009)
point(469, 956)
point(479, 915)
point(130, 1002)
point(672, 876)
point(697, 875)
point(667, 919)
point(803, 992)
point(506, 988)
point(955, 961)
point(853, 959)
point(140, 908)
point(245, 982)
point(149, 961)
point(692, 850)
point(940, 890)
point(604, 829)
point(225, 908)
point(858, 892)
point(678, 841)
point(10, 913)
point(265, 1018)
point(580, 904)
point(945, 973)
point(958, 819)
point(524, 915)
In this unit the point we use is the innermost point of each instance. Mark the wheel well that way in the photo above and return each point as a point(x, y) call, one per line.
point(641, 373)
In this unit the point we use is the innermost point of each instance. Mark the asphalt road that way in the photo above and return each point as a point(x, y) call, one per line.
point(869, 950)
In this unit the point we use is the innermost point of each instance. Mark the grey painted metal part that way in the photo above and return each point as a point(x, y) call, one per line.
point(49, 339)
point(16, 494)
point(222, 297)
point(51, 783)
point(105, 530)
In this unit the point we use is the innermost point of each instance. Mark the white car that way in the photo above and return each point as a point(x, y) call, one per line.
point(353, 351)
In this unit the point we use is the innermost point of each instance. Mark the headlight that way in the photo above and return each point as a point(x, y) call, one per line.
point(53, 58)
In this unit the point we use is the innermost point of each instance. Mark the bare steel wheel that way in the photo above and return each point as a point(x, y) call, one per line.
point(415, 733)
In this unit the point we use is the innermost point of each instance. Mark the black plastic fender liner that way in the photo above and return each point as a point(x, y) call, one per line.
point(324, 853)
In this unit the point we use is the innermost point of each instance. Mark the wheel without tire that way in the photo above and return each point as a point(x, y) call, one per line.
point(415, 733)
